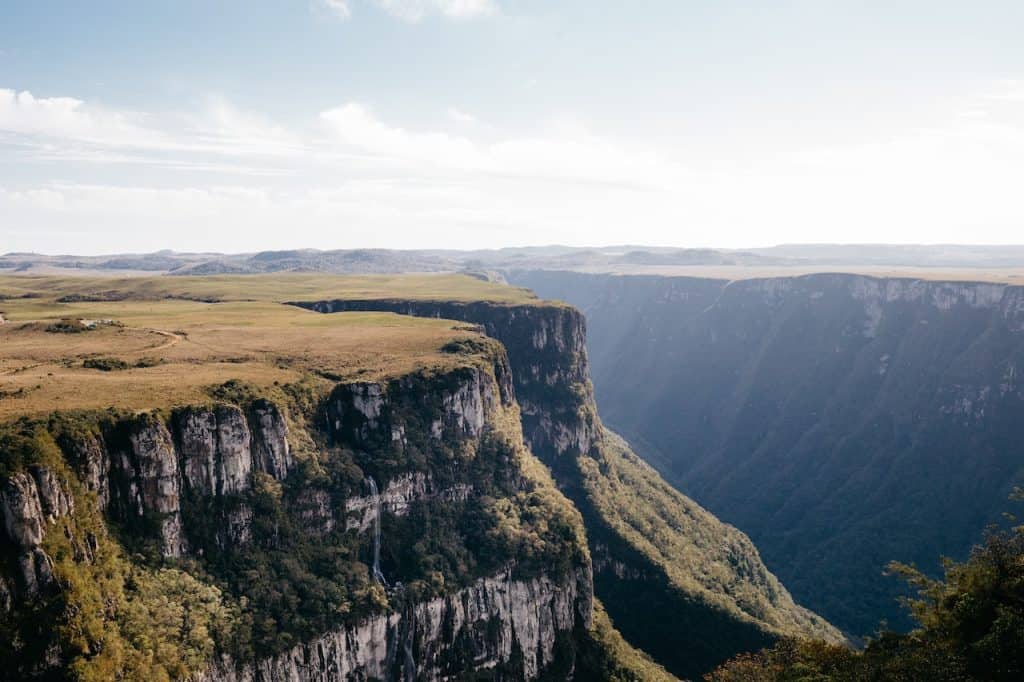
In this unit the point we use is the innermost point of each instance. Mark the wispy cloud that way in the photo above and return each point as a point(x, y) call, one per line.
point(69, 118)
point(563, 152)
point(222, 138)
point(348, 176)
point(414, 11)
point(340, 8)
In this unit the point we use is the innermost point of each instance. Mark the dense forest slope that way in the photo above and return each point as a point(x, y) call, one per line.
point(678, 583)
point(842, 421)
point(361, 506)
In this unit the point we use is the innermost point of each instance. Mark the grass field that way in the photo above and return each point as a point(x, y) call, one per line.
point(162, 349)
point(277, 287)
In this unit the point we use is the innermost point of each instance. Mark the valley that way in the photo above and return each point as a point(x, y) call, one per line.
point(219, 448)
point(843, 421)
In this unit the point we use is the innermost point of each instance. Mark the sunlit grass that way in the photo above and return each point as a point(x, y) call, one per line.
point(176, 348)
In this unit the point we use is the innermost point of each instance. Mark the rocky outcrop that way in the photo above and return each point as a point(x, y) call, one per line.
point(497, 621)
point(87, 453)
point(56, 502)
point(30, 502)
point(270, 450)
point(547, 354)
point(148, 481)
point(141, 467)
point(220, 447)
point(362, 414)
point(399, 495)
point(215, 447)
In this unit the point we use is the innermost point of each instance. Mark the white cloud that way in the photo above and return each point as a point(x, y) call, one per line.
point(69, 118)
point(228, 179)
point(353, 125)
point(224, 125)
point(565, 152)
point(340, 8)
point(416, 10)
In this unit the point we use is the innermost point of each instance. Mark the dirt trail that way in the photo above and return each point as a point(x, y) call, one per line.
point(172, 339)
point(16, 370)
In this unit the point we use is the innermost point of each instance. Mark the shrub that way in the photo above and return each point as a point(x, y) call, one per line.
point(69, 326)
point(105, 364)
point(971, 627)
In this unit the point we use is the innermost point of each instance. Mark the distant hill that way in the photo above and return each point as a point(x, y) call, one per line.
point(624, 259)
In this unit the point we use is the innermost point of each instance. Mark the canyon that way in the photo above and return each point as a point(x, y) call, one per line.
point(842, 421)
point(451, 505)
point(701, 576)
point(426, 476)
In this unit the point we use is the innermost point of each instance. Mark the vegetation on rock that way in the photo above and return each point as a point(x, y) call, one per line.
point(970, 629)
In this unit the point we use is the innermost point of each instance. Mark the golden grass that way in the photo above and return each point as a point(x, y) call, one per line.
point(190, 345)
point(276, 287)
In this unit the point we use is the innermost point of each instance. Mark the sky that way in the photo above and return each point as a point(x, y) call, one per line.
point(241, 126)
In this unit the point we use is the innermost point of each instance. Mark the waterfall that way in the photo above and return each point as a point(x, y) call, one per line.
point(377, 574)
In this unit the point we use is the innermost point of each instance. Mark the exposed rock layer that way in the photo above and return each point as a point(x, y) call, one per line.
point(153, 475)
point(30, 502)
point(484, 626)
point(140, 467)
point(547, 353)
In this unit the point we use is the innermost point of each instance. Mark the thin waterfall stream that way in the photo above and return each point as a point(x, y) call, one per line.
point(377, 574)
point(408, 637)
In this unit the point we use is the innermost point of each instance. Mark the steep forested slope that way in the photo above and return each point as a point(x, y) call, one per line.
point(842, 421)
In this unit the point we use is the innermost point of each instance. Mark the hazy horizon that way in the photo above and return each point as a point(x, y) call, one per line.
point(895, 247)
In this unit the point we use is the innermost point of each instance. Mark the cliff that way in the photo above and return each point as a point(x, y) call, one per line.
point(386, 529)
point(498, 624)
point(843, 421)
point(706, 595)
point(546, 346)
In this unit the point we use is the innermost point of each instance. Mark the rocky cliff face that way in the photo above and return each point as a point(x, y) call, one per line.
point(140, 467)
point(500, 624)
point(399, 495)
point(727, 590)
point(31, 502)
point(138, 471)
point(842, 421)
point(219, 487)
point(507, 624)
point(547, 353)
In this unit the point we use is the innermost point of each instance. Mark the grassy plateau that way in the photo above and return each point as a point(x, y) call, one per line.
point(141, 343)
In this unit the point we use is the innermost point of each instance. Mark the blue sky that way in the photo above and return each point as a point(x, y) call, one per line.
point(483, 123)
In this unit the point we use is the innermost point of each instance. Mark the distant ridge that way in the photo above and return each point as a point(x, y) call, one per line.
point(624, 259)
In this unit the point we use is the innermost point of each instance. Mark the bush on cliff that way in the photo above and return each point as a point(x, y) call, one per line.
point(971, 627)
